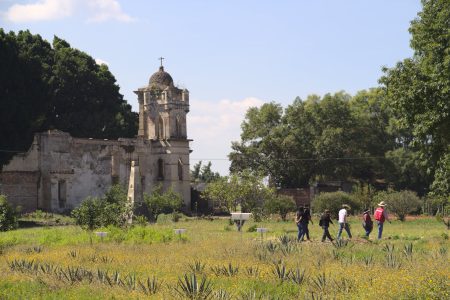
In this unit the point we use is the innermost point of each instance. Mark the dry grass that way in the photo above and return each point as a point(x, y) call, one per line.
point(359, 270)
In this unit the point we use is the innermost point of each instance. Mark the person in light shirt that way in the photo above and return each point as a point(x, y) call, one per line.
point(343, 223)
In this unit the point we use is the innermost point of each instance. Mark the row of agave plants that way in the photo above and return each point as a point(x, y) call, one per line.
point(195, 284)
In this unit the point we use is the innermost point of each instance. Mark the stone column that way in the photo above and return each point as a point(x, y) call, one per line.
point(133, 188)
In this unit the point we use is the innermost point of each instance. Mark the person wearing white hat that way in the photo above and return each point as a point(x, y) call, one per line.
point(380, 216)
point(343, 223)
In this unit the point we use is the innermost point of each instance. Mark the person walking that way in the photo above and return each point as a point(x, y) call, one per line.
point(324, 222)
point(367, 222)
point(343, 223)
point(380, 216)
point(298, 221)
point(306, 218)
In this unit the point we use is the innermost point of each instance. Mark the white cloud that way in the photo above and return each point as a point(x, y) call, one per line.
point(100, 61)
point(213, 126)
point(42, 10)
point(104, 10)
point(48, 10)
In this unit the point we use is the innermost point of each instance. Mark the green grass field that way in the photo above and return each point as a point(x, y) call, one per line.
point(66, 262)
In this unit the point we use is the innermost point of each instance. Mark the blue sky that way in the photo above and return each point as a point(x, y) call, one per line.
point(229, 54)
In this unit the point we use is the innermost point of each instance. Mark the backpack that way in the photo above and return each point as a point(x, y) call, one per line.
point(379, 216)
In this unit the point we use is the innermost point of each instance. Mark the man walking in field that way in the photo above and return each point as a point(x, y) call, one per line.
point(343, 223)
point(380, 216)
point(324, 222)
point(367, 222)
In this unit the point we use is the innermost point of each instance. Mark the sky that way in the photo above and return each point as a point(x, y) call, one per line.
point(230, 54)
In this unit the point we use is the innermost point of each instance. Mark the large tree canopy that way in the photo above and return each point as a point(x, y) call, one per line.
point(418, 89)
point(335, 137)
point(320, 138)
point(45, 86)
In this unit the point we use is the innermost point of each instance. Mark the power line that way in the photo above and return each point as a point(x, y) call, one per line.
point(305, 159)
point(273, 159)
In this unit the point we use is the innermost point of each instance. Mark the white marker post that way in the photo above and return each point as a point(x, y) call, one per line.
point(262, 231)
point(101, 234)
point(240, 218)
point(179, 232)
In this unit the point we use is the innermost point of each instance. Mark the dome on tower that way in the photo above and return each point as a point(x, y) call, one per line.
point(161, 78)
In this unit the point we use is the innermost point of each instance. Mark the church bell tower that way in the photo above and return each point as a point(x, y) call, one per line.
point(162, 108)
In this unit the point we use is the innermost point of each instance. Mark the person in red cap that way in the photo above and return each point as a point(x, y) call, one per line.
point(380, 216)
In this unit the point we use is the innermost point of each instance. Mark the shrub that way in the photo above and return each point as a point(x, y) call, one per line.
point(8, 216)
point(160, 202)
point(112, 209)
point(333, 201)
point(140, 220)
point(281, 205)
point(400, 203)
point(164, 219)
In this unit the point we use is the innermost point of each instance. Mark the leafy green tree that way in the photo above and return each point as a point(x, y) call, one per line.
point(418, 89)
point(281, 205)
point(373, 135)
point(400, 203)
point(116, 209)
point(203, 173)
point(25, 70)
point(244, 190)
point(90, 213)
point(259, 148)
point(336, 137)
point(222, 194)
point(160, 201)
point(8, 216)
point(61, 87)
point(334, 201)
point(407, 170)
point(363, 194)
point(112, 209)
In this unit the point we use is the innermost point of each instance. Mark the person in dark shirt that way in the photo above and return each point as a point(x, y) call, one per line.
point(305, 222)
point(325, 221)
point(367, 222)
point(298, 221)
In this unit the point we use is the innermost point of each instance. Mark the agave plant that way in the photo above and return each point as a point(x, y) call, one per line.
point(197, 266)
point(298, 276)
point(281, 272)
point(151, 286)
point(189, 287)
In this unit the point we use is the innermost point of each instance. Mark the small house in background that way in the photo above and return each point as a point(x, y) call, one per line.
point(304, 196)
point(301, 196)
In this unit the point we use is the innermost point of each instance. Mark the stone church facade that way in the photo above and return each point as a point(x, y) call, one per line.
point(59, 170)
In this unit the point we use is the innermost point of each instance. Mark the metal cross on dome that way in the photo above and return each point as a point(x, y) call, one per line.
point(161, 59)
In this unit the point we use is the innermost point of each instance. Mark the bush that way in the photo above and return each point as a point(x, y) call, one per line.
point(400, 203)
point(8, 216)
point(140, 221)
point(88, 214)
point(281, 205)
point(112, 209)
point(159, 202)
point(333, 201)
point(164, 219)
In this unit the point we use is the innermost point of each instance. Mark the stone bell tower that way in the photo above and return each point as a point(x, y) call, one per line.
point(164, 154)
point(162, 108)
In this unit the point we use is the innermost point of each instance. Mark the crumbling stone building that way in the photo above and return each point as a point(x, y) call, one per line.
point(59, 170)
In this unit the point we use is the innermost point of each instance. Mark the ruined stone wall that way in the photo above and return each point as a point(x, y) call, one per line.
point(60, 171)
point(21, 188)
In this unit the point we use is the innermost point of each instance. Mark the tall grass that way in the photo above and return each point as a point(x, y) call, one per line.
point(410, 262)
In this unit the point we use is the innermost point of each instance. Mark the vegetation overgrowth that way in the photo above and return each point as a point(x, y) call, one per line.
point(211, 260)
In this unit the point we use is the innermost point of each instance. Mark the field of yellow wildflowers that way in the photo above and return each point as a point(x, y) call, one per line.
point(211, 260)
